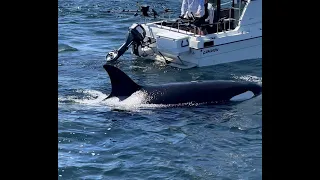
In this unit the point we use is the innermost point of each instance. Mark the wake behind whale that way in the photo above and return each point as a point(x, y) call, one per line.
point(93, 99)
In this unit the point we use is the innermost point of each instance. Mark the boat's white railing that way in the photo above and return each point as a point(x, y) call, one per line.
point(222, 4)
point(198, 29)
point(229, 20)
point(232, 19)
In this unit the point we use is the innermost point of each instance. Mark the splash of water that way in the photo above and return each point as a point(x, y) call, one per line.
point(93, 98)
point(249, 78)
point(89, 97)
point(136, 102)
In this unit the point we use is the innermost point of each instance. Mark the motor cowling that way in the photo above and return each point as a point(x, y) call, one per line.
point(136, 34)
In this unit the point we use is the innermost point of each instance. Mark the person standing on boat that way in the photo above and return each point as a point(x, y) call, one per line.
point(211, 6)
point(189, 7)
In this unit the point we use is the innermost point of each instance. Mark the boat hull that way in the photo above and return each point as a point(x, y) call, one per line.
point(245, 49)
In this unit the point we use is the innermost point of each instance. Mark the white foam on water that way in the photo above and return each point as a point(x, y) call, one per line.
point(249, 78)
point(93, 98)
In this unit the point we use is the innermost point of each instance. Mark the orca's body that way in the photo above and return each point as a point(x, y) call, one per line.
point(183, 92)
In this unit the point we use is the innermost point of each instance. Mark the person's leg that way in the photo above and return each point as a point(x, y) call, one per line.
point(210, 13)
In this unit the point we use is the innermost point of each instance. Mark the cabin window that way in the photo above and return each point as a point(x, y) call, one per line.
point(207, 44)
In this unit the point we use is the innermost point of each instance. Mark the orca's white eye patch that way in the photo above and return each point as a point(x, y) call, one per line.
point(243, 96)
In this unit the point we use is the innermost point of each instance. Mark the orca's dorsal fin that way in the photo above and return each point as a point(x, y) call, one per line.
point(121, 84)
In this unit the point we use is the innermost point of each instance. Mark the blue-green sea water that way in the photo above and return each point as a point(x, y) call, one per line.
point(128, 140)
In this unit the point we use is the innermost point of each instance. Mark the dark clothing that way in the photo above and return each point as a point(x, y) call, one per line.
point(202, 19)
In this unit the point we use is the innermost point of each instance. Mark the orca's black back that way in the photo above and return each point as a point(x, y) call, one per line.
point(198, 92)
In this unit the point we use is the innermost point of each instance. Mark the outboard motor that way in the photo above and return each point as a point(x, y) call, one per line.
point(135, 35)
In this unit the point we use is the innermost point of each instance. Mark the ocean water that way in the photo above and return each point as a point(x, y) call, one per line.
point(129, 140)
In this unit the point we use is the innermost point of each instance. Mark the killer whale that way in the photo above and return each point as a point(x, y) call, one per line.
point(214, 91)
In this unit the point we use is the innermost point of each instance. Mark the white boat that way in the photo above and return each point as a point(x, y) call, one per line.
point(234, 35)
